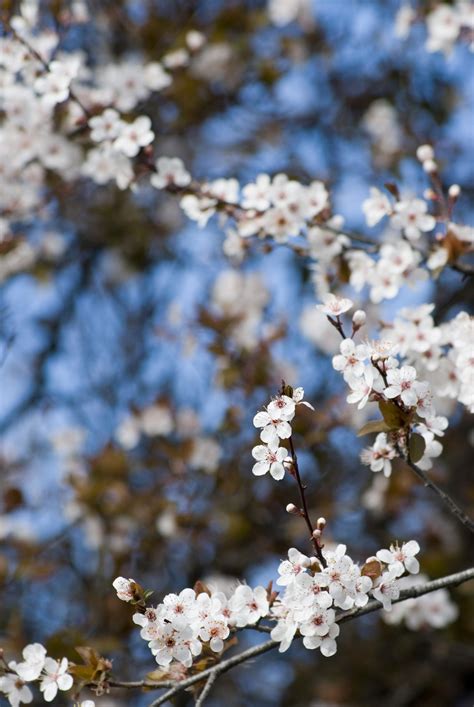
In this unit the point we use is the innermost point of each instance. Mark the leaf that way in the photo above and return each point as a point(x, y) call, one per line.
point(157, 675)
point(393, 416)
point(416, 446)
point(85, 673)
point(373, 426)
point(88, 655)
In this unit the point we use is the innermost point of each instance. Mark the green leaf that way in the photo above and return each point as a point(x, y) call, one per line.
point(393, 416)
point(417, 447)
point(373, 426)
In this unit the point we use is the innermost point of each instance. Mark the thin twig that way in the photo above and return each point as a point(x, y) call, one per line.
point(445, 497)
point(207, 688)
point(304, 510)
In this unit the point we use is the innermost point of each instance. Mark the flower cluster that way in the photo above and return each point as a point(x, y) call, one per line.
point(274, 422)
point(311, 595)
point(286, 211)
point(373, 372)
point(441, 352)
point(36, 665)
point(49, 97)
point(179, 627)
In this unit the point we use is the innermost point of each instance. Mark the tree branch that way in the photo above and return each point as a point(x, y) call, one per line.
point(207, 688)
point(215, 671)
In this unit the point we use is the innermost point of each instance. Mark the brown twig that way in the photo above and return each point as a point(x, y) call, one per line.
point(304, 510)
point(450, 504)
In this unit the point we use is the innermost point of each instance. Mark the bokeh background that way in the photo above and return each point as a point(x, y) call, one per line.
point(139, 307)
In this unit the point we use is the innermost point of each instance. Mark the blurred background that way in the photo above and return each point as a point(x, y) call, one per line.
point(134, 353)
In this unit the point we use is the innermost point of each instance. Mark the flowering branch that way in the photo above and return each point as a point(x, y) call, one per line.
point(405, 400)
point(211, 674)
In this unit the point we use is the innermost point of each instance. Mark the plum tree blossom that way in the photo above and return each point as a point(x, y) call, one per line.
point(133, 136)
point(34, 656)
point(125, 588)
point(401, 384)
point(412, 217)
point(387, 589)
point(335, 306)
point(166, 302)
point(105, 126)
point(269, 458)
point(351, 359)
point(376, 206)
point(55, 678)
point(15, 690)
point(379, 456)
point(296, 563)
point(401, 558)
point(170, 170)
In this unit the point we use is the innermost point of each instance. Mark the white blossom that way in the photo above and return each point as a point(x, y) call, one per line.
point(133, 136)
point(401, 384)
point(376, 206)
point(34, 656)
point(411, 216)
point(55, 678)
point(170, 170)
point(387, 589)
point(379, 456)
point(269, 458)
point(15, 689)
point(125, 588)
point(401, 558)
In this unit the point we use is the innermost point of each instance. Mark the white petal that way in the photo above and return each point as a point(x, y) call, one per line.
point(260, 468)
point(277, 470)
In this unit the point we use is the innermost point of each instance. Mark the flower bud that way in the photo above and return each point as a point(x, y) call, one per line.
point(291, 508)
point(321, 523)
point(454, 191)
point(358, 318)
point(424, 153)
point(316, 534)
point(430, 166)
point(430, 195)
